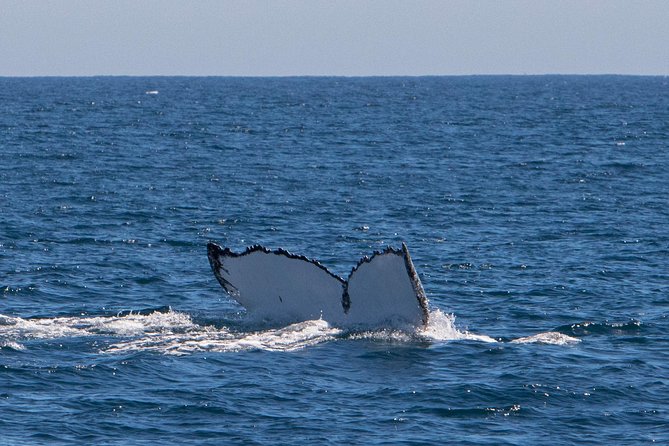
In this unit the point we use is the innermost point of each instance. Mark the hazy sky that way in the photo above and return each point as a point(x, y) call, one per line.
point(351, 37)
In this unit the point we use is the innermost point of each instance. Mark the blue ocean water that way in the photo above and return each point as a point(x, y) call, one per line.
point(535, 209)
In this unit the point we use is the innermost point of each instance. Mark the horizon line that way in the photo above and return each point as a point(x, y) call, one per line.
point(343, 76)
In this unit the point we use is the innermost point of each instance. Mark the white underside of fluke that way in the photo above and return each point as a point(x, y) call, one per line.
point(280, 287)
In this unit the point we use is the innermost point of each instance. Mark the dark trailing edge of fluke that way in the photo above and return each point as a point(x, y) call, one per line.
point(216, 252)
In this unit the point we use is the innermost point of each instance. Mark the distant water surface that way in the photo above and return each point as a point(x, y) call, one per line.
point(535, 209)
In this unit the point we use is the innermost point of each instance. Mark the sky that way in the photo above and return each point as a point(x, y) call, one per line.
point(334, 37)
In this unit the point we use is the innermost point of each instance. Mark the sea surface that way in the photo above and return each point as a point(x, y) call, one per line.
point(536, 210)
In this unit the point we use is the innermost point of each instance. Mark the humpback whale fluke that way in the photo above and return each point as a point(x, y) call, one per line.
point(283, 287)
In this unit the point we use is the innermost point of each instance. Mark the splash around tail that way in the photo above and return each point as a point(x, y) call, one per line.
point(176, 333)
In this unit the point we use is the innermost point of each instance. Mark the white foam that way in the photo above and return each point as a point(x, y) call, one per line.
point(549, 337)
point(170, 332)
point(12, 345)
point(175, 333)
point(208, 339)
point(385, 335)
point(441, 327)
point(47, 328)
point(69, 327)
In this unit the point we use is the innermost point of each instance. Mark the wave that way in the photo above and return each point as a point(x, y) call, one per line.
point(601, 328)
point(9, 345)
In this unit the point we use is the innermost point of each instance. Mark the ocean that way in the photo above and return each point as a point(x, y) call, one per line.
point(535, 209)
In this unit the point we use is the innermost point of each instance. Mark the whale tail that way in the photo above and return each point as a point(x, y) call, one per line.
point(281, 287)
